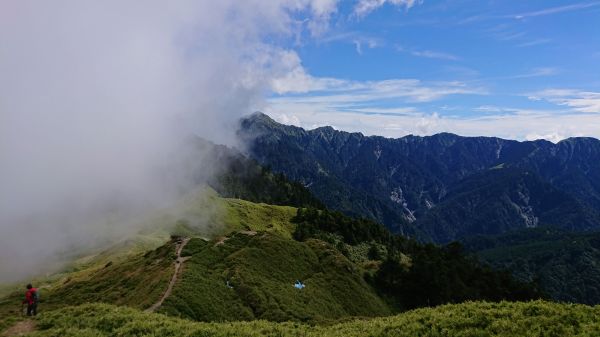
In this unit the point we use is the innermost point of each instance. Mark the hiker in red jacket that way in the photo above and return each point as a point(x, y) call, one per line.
point(31, 299)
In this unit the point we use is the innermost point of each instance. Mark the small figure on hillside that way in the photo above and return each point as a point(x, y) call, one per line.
point(299, 285)
point(31, 299)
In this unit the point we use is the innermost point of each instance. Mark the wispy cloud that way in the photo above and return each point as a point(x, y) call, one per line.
point(555, 10)
point(536, 72)
point(435, 55)
point(509, 36)
point(349, 36)
point(370, 43)
point(358, 39)
point(512, 125)
point(535, 42)
point(489, 109)
point(301, 87)
point(507, 32)
point(580, 101)
point(532, 73)
point(428, 53)
point(364, 7)
point(530, 14)
point(397, 107)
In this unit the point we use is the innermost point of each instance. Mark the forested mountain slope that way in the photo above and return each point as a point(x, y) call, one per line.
point(401, 181)
point(565, 264)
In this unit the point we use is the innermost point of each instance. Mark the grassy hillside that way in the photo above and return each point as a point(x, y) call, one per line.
point(135, 271)
point(475, 319)
point(351, 268)
point(261, 269)
point(204, 213)
point(245, 257)
point(246, 215)
point(137, 282)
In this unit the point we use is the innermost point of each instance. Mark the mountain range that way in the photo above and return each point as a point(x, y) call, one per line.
point(437, 188)
point(235, 246)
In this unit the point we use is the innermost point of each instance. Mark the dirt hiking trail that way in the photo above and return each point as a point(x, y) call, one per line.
point(178, 264)
point(20, 328)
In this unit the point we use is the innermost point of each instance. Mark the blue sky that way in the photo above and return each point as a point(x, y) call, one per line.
point(514, 69)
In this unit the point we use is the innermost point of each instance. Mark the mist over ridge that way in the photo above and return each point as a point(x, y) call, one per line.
point(98, 101)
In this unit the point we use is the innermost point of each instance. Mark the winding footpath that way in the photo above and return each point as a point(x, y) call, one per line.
point(20, 328)
point(178, 264)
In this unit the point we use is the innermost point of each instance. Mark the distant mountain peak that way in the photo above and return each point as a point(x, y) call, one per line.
point(258, 116)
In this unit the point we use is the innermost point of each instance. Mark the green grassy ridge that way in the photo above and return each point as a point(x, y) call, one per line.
point(261, 269)
point(246, 215)
point(472, 319)
point(110, 268)
point(76, 283)
point(204, 213)
point(137, 282)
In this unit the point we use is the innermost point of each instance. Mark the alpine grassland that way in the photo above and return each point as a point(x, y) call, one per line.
point(471, 319)
point(246, 215)
point(135, 271)
point(246, 271)
point(138, 282)
point(250, 275)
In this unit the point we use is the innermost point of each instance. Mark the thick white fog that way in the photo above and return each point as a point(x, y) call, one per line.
point(96, 97)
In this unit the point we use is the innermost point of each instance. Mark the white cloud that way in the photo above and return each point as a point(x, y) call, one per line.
point(435, 55)
point(321, 13)
point(358, 39)
point(392, 108)
point(298, 81)
point(489, 108)
point(349, 92)
point(581, 101)
point(521, 126)
point(537, 72)
point(535, 42)
point(554, 137)
point(369, 42)
point(364, 7)
point(555, 10)
point(288, 119)
point(96, 95)
point(427, 53)
point(358, 46)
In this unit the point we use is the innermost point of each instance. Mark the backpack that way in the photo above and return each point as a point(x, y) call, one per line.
point(35, 296)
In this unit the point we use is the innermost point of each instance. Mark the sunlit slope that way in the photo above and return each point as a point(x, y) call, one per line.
point(245, 215)
point(468, 319)
point(253, 251)
point(136, 270)
point(206, 214)
point(137, 282)
point(202, 214)
point(251, 276)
